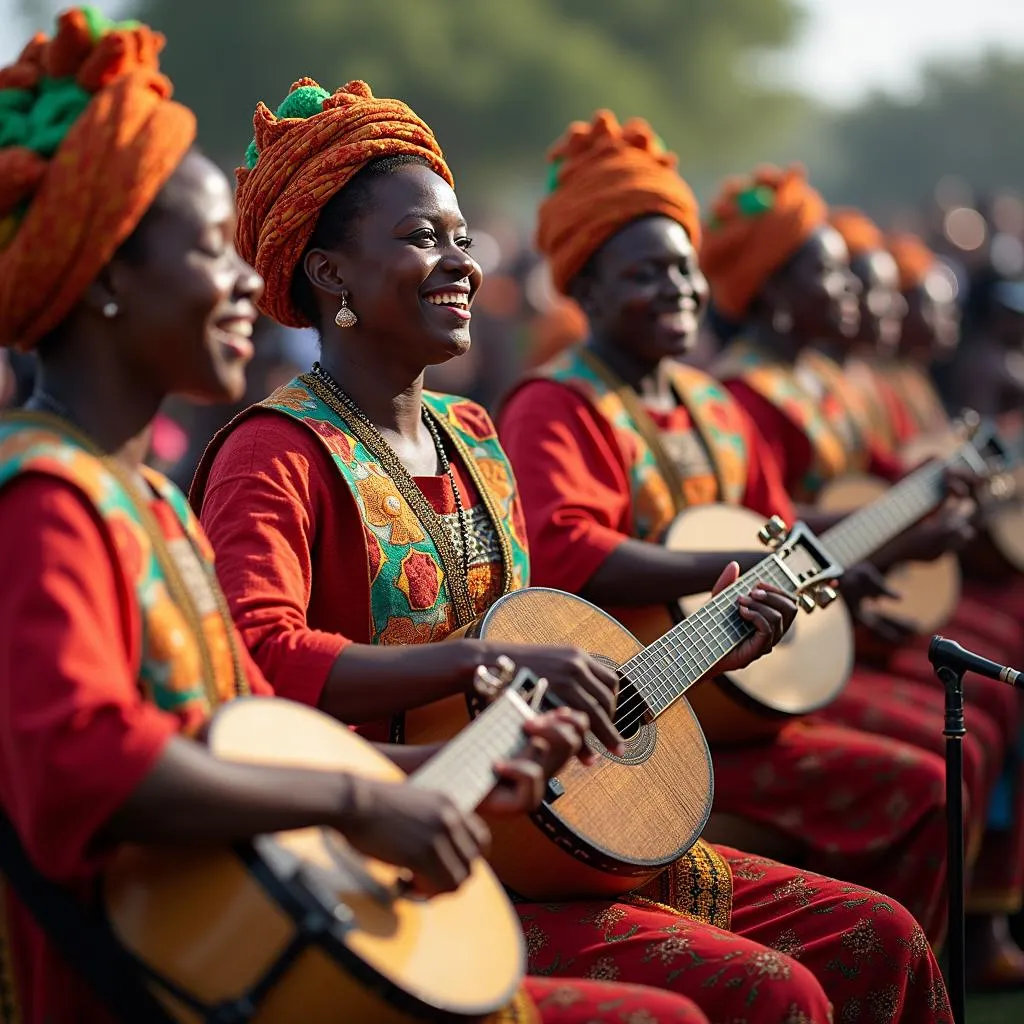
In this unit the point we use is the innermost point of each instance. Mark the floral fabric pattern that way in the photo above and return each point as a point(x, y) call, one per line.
point(171, 670)
point(717, 433)
point(803, 948)
point(409, 595)
point(821, 418)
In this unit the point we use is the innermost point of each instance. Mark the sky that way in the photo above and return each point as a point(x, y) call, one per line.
point(849, 47)
point(852, 47)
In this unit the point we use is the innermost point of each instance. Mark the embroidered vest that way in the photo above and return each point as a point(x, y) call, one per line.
point(189, 659)
point(659, 488)
point(699, 884)
point(411, 598)
point(846, 407)
point(919, 397)
point(778, 384)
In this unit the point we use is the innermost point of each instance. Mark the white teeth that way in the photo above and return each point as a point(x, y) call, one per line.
point(454, 299)
point(242, 328)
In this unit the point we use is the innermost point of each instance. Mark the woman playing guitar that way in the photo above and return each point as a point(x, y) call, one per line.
point(311, 500)
point(119, 271)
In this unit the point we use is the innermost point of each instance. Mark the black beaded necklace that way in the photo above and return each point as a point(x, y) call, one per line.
point(349, 406)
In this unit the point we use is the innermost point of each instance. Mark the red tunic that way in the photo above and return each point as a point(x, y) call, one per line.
point(574, 482)
point(76, 735)
point(808, 919)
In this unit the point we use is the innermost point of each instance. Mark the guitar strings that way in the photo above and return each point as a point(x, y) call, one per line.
point(888, 519)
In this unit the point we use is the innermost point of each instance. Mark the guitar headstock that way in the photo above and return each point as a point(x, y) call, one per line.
point(807, 569)
point(506, 678)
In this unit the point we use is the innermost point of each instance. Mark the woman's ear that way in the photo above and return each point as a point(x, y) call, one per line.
point(323, 272)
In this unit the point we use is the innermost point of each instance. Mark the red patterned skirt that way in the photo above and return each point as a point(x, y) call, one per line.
point(861, 807)
point(802, 948)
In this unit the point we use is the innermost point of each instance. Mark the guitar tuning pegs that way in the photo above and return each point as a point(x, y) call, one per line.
point(490, 682)
point(506, 668)
point(772, 531)
point(969, 421)
point(825, 596)
point(807, 603)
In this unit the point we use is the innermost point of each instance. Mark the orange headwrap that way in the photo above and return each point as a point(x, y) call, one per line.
point(88, 137)
point(860, 233)
point(301, 156)
point(913, 258)
point(757, 223)
point(603, 177)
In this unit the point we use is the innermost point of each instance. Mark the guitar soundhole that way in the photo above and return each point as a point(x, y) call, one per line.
point(634, 721)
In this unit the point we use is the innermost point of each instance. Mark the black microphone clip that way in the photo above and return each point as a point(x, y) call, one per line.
point(948, 654)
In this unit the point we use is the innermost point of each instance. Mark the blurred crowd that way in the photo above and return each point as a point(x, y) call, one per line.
point(519, 320)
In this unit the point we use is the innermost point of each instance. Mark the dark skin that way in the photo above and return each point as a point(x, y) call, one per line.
point(882, 306)
point(412, 243)
point(643, 293)
point(185, 306)
point(818, 296)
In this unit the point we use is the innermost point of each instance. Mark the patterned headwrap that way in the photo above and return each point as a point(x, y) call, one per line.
point(757, 223)
point(88, 137)
point(603, 176)
point(913, 258)
point(861, 234)
point(300, 157)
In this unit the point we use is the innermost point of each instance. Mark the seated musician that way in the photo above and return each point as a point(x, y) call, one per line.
point(118, 269)
point(611, 440)
point(886, 368)
point(318, 498)
point(781, 274)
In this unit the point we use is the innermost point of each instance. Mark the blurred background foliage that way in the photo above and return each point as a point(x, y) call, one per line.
point(499, 80)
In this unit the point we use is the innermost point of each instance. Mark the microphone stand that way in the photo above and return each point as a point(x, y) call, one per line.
point(954, 731)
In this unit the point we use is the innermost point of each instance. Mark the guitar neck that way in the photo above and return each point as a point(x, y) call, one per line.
point(464, 768)
point(870, 528)
point(664, 671)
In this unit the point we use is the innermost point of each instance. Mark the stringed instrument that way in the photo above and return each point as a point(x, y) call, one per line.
point(809, 669)
point(298, 926)
point(604, 829)
point(1000, 548)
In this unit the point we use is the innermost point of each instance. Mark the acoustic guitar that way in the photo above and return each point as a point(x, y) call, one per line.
point(808, 670)
point(605, 829)
point(300, 927)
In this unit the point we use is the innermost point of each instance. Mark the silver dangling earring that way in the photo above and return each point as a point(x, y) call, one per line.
point(345, 317)
point(110, 310)
point(782, 321)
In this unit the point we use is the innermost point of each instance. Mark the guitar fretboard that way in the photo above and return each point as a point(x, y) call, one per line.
point(464, 769)
point(664, 671)
point(869, 529)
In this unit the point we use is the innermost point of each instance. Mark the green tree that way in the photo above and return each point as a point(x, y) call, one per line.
point(498, 81)
point(967, 122)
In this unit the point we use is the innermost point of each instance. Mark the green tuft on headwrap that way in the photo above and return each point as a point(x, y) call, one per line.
point(304, 102)
point(754, 201)
point(41, 121)
point(99, 24)
point(553, 168)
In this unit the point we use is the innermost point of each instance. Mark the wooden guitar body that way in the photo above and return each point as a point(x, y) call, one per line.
point(929, 591)
point(604, 829)
point(806, 671)
point(297, 926)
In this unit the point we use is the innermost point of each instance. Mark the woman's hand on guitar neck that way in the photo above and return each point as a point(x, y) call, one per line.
point(769, 610)
point(413, 828)
point(577, 679)
point(949, 529)
point(555, 736)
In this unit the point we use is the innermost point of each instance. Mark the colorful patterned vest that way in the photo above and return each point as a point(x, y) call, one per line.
point(190, 662)
point(411, 598)
point(661, 485)
point(699, 884)
point(821, 418)
point(919, 397)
